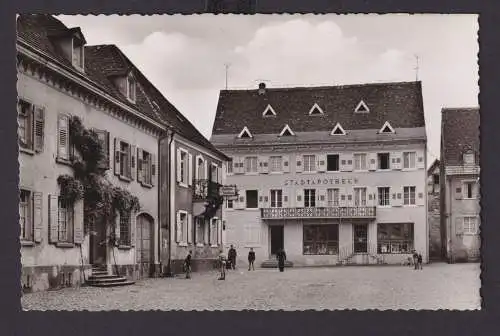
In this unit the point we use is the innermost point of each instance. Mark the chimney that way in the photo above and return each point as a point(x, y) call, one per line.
point(262, 88)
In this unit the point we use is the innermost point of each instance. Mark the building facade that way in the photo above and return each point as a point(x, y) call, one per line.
point(333, 175)
point(434, 211)
point(460, 189)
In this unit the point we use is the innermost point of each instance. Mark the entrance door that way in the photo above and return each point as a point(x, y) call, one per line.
point(360, 238)
point(97, 251)
point(143, 245)
point(277, 241)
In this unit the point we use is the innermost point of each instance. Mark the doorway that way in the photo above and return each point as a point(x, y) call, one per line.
point(360, 238)
point(143, 245)
point(277, 239)
point(98, 244)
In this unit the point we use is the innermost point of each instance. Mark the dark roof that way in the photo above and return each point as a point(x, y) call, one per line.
point(459, 134)
point(399, 103)
point(433, 166)
point(102, 64)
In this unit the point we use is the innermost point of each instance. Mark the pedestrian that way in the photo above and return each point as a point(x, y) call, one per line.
point(281, 256)
point(251, 259)
point(419, 261)
point(231, 255)
point(222, 261)
point(415, 260)
point(187, 265)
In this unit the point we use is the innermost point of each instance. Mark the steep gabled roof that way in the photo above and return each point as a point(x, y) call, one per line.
point(399, 103)
point(433, 166)
point(459, 134)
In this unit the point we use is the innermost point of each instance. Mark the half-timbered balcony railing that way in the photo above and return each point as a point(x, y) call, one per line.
point(205, 189)
point(317, 212)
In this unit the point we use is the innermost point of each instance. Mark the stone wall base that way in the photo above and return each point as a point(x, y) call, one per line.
point(42, 278)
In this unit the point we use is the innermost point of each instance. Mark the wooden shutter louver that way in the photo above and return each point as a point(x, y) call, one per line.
point(153, 168)
point(133, 224)
point(140, 173)
point(133, 165)
point(39, 127)
point(78, 235)
point(53, 218)
point(117, 156)
point(63, 137)
point(37, 216)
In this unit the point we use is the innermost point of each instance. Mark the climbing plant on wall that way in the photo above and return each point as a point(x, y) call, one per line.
point(101, 198)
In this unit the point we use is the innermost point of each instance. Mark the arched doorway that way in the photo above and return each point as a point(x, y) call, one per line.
point(144, 245)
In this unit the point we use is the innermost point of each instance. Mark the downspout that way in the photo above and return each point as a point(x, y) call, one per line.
point(169, 203)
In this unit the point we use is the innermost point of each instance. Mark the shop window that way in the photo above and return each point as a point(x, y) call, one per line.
point(395, 237)
point(321, 239)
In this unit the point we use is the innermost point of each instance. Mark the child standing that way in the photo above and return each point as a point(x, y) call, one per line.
point(251, 259)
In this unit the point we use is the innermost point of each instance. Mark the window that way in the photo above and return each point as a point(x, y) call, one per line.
point(124, 228)
point(229, 204)
point(200, 230)
point(470, 190)
point(332, 162)
point(435, 178)
point(181, 229)
point(387, 128)
point(470, 225)
point(360, 196)
point(200, 168)
point(321, 239)
point(315, 110)
point(251, 164)
point(103, 137)
point(214, 173)
point(25, 124)
point(65, 221)
point(395, 237)
point(276, 199)
point(309, 198)
point(361, 108)
point(309, 163)
point(337, 130)
point(252, 199)
point(409, 160)
point(245, 133)
point(383, 161)
point(183, 167)
point(384, 196)
point(360, 162)
point(63, 143)
point(333, 197)
point(229, 167)
point(275, 163)
point(131, 86)
point(213, 231)
point(269, 111)
point(77, 53)
point(409, 195)
point(125, 160)
point(145, 167)
point(469, 158)
point(287, 131)
point(25, 215)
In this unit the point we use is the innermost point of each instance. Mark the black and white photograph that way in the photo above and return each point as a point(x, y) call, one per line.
point(249, 162)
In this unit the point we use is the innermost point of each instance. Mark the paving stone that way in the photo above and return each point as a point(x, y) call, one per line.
point(437, 286)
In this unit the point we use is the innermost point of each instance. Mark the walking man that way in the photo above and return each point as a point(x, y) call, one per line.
point(251, 259)
point(281, 256)
point(415, 259)
point(231, 255)
point(187, 265)
point(419, 261)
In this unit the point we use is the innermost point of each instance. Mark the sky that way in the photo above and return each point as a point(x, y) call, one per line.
point(185, 56)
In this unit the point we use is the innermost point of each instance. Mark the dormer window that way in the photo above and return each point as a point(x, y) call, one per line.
point(245, 134)
point(131, 88)
point(361, 108)
point(77, 53)
point(387, 129)
point(287, 131)
point(338, 130)
point(269, 112)
point(316, 110)
point(469, 158)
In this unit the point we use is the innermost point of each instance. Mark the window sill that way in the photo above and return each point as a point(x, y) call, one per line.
point(470, 234)
point(332, 171)
point(65, 245)
point(200, 245)
point(252, 173)
point(410, 205)
point(124, 247)
point(383, 170)
point(63, 161)
point(213, 246)
point(384, 206)
point(182, 184)
point(27, 243)
point(26, 151)
point(409, 169)
point(309, 172)
point(362, 170)
point(146, 185)
point(124, 178)
point(469, 199)
point(182, 244)
point(276, 173)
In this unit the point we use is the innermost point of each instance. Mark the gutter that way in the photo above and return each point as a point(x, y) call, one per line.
point(169, 204)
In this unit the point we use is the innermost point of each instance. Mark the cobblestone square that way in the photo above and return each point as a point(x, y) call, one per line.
point(437, 286)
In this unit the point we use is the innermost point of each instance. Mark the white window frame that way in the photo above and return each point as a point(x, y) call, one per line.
point(183, 166)
point(362, 103)
point(407, 159)
point(338, 126)
point(257, 199)
point(316, 106)
point(215, 170)
point(474, 185)
point(125, 172)
point(360, 158)
point(251, 165)
point(310, 196)
point(229, 201)
point(360, 196)
point(28, 224)
point(391, 129)
point(80, 48)
point(469, 158)
point(388, 198)
point(128, 224)
point(333, 197)
point(184, 227)
point(309, 165)
point(388, 161)
point(286, 128)
point(214, 233)
point(470, 225)
point(146, 168)
point(247, 131)
point(68, 221)
point(229, 167)
point(269, 108)
point(409, 195)
point(276, 198)
point(200, 228)
point(131, 84)
point(276, 164)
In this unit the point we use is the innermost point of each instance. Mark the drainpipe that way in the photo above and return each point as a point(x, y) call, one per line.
point(169, 218)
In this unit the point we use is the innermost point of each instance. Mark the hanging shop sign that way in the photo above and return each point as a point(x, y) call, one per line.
point(228, 191)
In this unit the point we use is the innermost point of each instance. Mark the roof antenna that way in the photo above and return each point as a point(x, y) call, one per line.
point(416, 68)
point(226, 66)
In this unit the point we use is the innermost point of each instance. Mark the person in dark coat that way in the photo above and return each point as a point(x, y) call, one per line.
point(419, 261)
point(231, 255)
point(187, 265)
point(281, 256)
point(251, 259)
point(222, 261)
point(415, 259)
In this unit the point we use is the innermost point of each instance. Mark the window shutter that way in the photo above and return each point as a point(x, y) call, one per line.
point(196, 170)
point(206, 231)
point(133, 225)
point(458, 192)
point(190, 169)
point(260, 198)
point(420, 161)
point(189, 228)
point(37, 216)
point(322, 198)
point(420, 196)
point(78, 222)
point(117, 228)
point(370, 198)
point(133, 164)
point(343, 162)
point(153, 168)
point(236, 165)
point(299, 198)
point(117, 156)
point(299, 164)
point(103, 137)
point(39, 127)
point(219, 232)
point(459, 225)
point(205, 170)
point(178, 165)
point(286, 163)
point(178, 228)
point(140, 155)
point(342, 197)
point(63, 137)
point(397, 196)
point(396, 160)
point(265, 164)
point(53, 218)
point(372, 161)
point(349, 162)
point(219, 174)
point(286, 198)
point(321, 164)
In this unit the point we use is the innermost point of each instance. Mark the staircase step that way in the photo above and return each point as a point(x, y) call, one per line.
point(112, 279)
point(112, 284)
point(103, 276)
point(99, 272)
